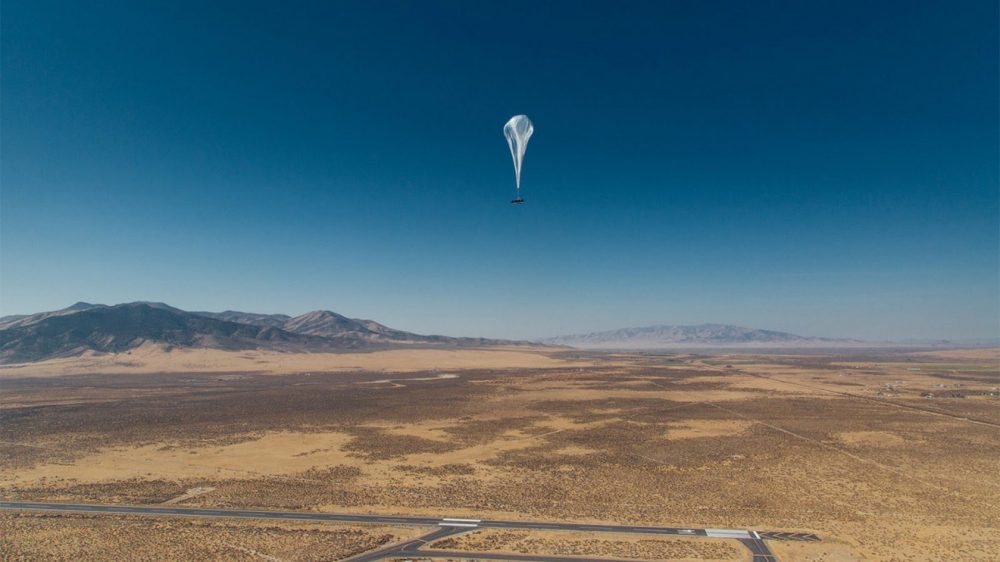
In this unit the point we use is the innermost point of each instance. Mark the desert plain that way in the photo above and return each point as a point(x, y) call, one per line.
point(885, 454)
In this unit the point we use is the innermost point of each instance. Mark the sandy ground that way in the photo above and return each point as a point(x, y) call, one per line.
point(688, 429)
point(278, 453)
point(152, 359)
point(826, 551)
point(987, 353)
point(84, 537)
point(872, 439)
point(611, 545)
point(846, 447)
point(284, 454)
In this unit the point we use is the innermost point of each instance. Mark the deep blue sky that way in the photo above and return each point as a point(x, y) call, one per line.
point(826, 168)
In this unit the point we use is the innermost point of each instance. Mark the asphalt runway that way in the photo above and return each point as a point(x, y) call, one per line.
point(752, 540)
point(761, 553)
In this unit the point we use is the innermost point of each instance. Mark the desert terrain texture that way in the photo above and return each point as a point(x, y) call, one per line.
point(885, 454)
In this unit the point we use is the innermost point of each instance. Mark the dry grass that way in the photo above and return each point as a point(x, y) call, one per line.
point(108, 537)
point(690, 429)
point(826, 551)
point(612, 545)
point(154, 359)
point(841, 445)
point(977, 354)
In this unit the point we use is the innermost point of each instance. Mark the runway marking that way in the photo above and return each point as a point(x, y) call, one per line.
point(727, 533)
point(782, 536)
point(445, 522)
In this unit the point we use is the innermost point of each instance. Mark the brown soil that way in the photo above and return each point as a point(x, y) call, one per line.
point(844, 446)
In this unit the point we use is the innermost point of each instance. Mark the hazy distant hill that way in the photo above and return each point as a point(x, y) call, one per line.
point(87, 327)
point(703, 335)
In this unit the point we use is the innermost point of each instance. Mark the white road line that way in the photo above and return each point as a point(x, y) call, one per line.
point(727, 533)
point(462, 520)
point(756, 535)
point(454, 524)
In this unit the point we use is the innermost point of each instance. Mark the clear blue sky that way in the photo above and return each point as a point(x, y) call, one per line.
point(826, 168)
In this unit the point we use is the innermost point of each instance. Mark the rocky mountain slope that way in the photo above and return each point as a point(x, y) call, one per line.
point(86, 327)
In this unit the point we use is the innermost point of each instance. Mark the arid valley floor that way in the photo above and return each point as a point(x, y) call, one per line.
point(884, 454)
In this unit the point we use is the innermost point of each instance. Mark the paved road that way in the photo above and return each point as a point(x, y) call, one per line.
point(506, 557)
point(363, 518)
point(446, 526)
point(761, 553)
point(408, 548)
point(231, 513)
point(412, 549)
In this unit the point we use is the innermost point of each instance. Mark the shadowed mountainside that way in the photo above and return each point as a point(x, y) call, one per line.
point(85, 327)
point(328, 324)
point(272, 320)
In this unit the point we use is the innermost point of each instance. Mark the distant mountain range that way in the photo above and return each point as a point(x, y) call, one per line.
point(100, 328)
point(702, 335)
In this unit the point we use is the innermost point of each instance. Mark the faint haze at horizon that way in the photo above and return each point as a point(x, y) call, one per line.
point(824, 168)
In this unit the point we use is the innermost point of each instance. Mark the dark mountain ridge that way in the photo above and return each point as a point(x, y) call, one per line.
point(87, 327)
point(114, 329)
point(273, 320)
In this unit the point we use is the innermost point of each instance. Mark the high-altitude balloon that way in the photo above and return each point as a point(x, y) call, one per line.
point(518, 130)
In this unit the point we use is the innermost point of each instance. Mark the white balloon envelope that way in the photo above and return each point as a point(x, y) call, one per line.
point(518, 131)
